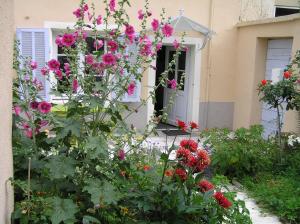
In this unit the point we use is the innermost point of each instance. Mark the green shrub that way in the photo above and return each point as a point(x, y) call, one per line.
point(240, 153)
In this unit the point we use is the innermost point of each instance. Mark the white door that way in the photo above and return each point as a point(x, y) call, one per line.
point(278, 57)
point(179, 108)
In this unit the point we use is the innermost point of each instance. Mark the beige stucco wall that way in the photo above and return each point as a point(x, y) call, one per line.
point(251, 53)
point(6, 74)
point(290, 3)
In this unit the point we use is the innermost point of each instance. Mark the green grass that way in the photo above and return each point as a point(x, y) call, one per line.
point(279, 194)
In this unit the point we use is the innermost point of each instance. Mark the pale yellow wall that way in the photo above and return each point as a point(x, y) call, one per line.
point(290, 3)
point(6, 74)
point(250, 67)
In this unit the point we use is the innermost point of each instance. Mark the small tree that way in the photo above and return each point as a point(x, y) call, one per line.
point(283, 94)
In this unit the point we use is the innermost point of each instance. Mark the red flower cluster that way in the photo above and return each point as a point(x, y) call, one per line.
point(287, 74)
point(181, 173)
point(189, 144)
point(205, 186)
point(222, 200)
point(264, 82)
point(183, 126)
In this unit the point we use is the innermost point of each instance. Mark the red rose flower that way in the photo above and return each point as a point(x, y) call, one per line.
point(222, 200)
point(287, 74)
point(181, 173)
point(205, 186)
point(264, 82)
point(44, 107)
point(182, 125)
point(193, 125)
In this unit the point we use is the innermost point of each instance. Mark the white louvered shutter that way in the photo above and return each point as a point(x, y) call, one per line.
point(34, 43)
point(132, 50)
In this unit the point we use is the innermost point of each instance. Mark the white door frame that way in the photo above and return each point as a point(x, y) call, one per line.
point(193, 103)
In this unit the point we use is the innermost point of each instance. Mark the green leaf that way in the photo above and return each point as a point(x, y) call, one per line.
point(61, 166)
point(69, 126)
point(89, 219)
point(62, 210)
point(97, 145)
point(102, 192)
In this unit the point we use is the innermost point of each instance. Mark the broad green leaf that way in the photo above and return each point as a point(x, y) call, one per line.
point(62, 210)
point(89, 219)
point(102, 192)
point(60, 167)
point(70, 125)
point(97, 145)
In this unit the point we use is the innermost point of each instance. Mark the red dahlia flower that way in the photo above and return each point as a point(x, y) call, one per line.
point(181, 173)
point(182, 125)
point(222, 200)
point(205, 186)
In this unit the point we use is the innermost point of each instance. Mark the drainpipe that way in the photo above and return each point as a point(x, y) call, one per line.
point(209, 62)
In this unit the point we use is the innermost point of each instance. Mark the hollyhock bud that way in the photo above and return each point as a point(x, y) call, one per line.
point(99, 20)
point(75, 85)
point(121, 154)
point(58, 74)
point(155, 25)
point(112, 5)
point(149, 13)
point(17, 109)
point(98, 44)
point(44, 107)
point(33, 65)
point(131, 88)
point(44, 71)
point(158, 46)
point(167, 30)
point(176, 45)
point(172, 84)
point(140, 14)
point(85, 7)
point(34, 105)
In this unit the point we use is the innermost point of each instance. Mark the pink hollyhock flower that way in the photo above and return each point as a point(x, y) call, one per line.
point(53, 64)
point(129, 31)
point(113, 45)
point(33, 65)
point(172, 83)
point(109, 59)
point(99, 20)
point(44, 71)
point(112, 5)
point(75, 85)
point(145, 48)
point(34, 105)
point(17, 109)
point(140, 14)
point(78, 13)
point(89, 59)
point(98, 44)
point(85, 7)
point(176, 45)
point(59, 74)
point(158, 46)
point(155, 25)
point(121, 154)
point(84, 35)
point(167, 30)
point(28, 133)
point(68, 39)
point(44, 107)
point(25, 125)
point(67, 67)
point(58, 40)
point(131, 88)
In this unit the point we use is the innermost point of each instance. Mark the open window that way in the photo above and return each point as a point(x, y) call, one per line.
point(285, 10)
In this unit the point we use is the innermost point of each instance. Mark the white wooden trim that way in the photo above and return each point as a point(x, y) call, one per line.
point(194, 45)
point(70, 25)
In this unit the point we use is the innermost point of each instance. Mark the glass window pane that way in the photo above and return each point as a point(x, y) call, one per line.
point(181, 60)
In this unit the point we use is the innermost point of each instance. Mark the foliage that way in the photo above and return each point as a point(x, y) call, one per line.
point(240, 153)
point(86, 165)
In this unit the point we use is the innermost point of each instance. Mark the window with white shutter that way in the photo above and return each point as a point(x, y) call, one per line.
point(34, 43)
point(132, 50)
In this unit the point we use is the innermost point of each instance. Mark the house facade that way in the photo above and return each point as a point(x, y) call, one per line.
point(213, 27)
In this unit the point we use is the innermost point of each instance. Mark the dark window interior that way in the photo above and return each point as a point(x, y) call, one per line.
point(280, 11)
point(160, 68)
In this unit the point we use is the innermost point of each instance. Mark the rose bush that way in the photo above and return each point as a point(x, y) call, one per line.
point(86, 165)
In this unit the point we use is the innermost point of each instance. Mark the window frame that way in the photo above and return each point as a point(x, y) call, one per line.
point(284, 7)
